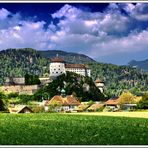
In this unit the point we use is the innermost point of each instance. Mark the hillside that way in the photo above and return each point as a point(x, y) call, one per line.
point(139, 64)
point(119, 78)
point(78, 85)
point(18, 62)
point(69, 57)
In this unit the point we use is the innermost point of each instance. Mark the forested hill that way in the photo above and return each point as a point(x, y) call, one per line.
point(18, 62)
point(139, 64)
point(119, 78)
point(67, 56)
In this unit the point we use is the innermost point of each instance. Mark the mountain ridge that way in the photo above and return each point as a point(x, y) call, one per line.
point(143, 65)
point(71, 57)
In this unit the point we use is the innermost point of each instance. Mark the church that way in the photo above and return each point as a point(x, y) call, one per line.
point(58, 66)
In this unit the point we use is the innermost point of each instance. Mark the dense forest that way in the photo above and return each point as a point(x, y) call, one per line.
point(120, 78)
point(18, 62)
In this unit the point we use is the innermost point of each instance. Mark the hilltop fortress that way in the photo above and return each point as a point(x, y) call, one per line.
point(57, 67)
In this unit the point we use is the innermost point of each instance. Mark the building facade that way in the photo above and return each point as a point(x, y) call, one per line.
point(58, 66)
point(100, 85)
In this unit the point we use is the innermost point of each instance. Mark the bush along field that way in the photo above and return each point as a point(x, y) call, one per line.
point(61, 129)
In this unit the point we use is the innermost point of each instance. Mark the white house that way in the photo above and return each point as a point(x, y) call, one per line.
point(61, 103)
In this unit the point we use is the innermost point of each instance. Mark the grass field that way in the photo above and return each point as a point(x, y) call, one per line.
point(62, 129)
point(116, 114)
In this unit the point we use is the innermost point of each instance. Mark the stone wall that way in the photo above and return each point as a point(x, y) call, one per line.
point(20, 89)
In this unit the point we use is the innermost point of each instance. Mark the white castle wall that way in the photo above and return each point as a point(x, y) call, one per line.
point(80, 71)
point(57, 69)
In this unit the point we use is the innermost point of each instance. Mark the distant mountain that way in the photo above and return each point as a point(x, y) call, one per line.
point(139, 64)
point(67, 56)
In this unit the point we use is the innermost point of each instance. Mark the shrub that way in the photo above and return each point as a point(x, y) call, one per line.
point(90, 103)
point(50, 109)
point(143, 103)
point(12, 95)
point(38, 109)
point(24, 98)
point(107, 109)
point(100, 109)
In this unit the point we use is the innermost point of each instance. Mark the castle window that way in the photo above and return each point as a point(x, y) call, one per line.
point(57, 72)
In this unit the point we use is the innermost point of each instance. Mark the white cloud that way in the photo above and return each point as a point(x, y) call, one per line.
point(67, 11)
point(93, 33)
point(138, 11)
point(4, 13)
point(132, 43)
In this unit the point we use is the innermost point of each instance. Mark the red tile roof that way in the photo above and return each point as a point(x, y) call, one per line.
point(57, 59)
point(98, 81)
point(76, 66)
point(69, 100)
point(18, 108)
point(112, 102)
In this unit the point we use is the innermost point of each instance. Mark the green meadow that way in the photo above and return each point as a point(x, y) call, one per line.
point(63, 129)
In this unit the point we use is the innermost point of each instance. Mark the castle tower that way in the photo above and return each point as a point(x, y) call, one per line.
point(57, 67)
point(100, 85)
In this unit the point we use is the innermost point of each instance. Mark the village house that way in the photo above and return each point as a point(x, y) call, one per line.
point(61, 103)
point(113, 103)
point(20, 109)
point(82, 107)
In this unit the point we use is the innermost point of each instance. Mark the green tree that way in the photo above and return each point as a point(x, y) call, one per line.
point(72, 83)
point(32, 79)
point(143, 103)
point(2, 105)
point(127, 98)
point(24, 98)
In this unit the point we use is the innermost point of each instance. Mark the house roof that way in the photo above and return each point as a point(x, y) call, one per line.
point(76, 66)
point(18, 108)
point(68, 100)
point(98, 81)
point(82, 107)
point(96, 106)
point(113, 101)
point(57, 59)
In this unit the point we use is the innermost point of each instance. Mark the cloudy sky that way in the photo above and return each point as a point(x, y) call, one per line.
point(113, 33)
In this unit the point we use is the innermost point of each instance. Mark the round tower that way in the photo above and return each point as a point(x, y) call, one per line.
point(57, 66)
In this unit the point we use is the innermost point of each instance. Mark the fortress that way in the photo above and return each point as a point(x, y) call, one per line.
point(57, 67)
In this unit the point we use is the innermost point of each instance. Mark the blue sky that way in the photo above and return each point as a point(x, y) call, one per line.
point(108, 32)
